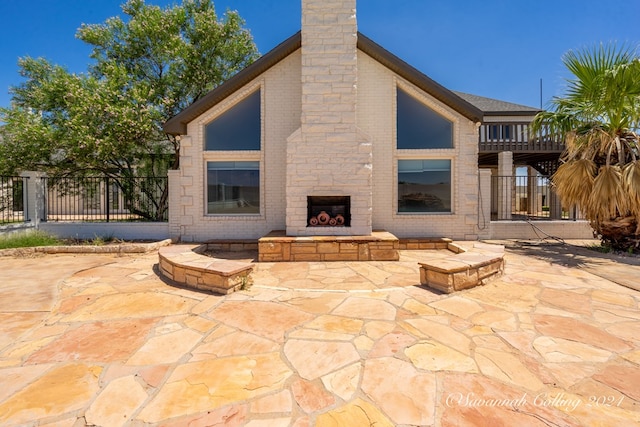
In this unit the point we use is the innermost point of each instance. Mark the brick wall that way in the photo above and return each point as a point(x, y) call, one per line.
point(328, 130)
point(281, 99)
point(376, 117)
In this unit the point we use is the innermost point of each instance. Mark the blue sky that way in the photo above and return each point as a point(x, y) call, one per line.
point(495, 48)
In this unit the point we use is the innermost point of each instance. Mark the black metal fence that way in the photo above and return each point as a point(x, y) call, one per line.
point(106, 198)
point(527, 197)
point(12, 199)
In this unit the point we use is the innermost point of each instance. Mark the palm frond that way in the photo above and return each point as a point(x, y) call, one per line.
point(573, 182)
point(604, 92)
point(631, 186)
point(608, 199)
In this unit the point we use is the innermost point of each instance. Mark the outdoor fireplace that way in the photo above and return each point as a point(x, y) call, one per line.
point(328, 211)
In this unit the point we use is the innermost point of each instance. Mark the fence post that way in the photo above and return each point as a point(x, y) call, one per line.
point(35, 197)
point(107, 189)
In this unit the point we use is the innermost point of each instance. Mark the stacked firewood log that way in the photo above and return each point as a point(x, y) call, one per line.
point(324, 219)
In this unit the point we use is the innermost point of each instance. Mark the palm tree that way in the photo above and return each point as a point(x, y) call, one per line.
point(599, 120)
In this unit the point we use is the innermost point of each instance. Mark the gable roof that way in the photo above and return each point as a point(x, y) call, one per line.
point(493, 107)
point(177, 125)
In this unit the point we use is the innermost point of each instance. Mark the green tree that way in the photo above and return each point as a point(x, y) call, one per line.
point(146, 68)
point(598, 117)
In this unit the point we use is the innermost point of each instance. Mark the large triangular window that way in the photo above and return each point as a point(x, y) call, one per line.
point(237, 128)
point(419, 127)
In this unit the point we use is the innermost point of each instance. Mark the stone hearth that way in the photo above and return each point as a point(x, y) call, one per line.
point(378, 246)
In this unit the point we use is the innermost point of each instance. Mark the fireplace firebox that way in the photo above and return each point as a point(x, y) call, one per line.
point(328, 211)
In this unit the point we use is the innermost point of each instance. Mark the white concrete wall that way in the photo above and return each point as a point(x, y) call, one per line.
point(523, 230)
point(119, 230)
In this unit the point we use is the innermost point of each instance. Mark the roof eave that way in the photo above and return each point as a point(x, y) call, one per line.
point(417, 78)
point(177, 125)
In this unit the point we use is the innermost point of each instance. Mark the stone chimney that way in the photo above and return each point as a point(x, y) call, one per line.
point(328, 156)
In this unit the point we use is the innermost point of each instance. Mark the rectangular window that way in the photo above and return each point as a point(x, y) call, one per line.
point(499, 132)
point(233, 188)
point(424, 186)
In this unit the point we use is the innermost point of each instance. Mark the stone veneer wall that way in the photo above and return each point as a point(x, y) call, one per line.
point(328, 155)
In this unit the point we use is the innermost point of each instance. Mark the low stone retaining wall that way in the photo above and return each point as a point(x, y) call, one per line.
point(121, 248)
point(465, 269)
point(420, 243)
point(379, 246)
point(184, 264)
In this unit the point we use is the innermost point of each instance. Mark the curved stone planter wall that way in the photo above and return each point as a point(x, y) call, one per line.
point(184, 264)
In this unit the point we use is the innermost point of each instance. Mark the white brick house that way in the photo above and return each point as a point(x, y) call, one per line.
point(327, 121)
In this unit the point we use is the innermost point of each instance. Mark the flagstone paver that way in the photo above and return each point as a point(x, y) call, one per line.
point(410, 401)
point(433, 356)
point(102, 340)
point(313, 359)
point(356, 413)
point(117, 401)
point(344, 382)
point(87, 342)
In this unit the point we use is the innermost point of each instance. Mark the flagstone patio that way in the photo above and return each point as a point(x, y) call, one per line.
point(102, 340)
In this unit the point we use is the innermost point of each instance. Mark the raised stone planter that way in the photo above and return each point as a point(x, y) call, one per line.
point(465, 269)
point(184, 264)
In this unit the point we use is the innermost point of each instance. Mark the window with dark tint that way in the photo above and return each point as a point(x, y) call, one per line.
point(236, 129)
point(424, 186)
point(233, 188)
point(499, 132)
point(420, 127)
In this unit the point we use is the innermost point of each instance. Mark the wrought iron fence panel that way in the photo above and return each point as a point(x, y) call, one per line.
point(519, 198)
point(106, 198)
point(13, 191)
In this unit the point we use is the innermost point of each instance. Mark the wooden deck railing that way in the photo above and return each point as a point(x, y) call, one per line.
point(516, 137)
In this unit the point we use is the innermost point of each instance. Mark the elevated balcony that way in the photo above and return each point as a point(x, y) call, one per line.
point(541, 150)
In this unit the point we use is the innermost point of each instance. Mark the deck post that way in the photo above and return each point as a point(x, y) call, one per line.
point(505, 185)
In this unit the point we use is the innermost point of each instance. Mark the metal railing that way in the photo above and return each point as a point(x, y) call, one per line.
point(13, 200)
point(106, 198)
point(519, 198)
point(517, 137)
